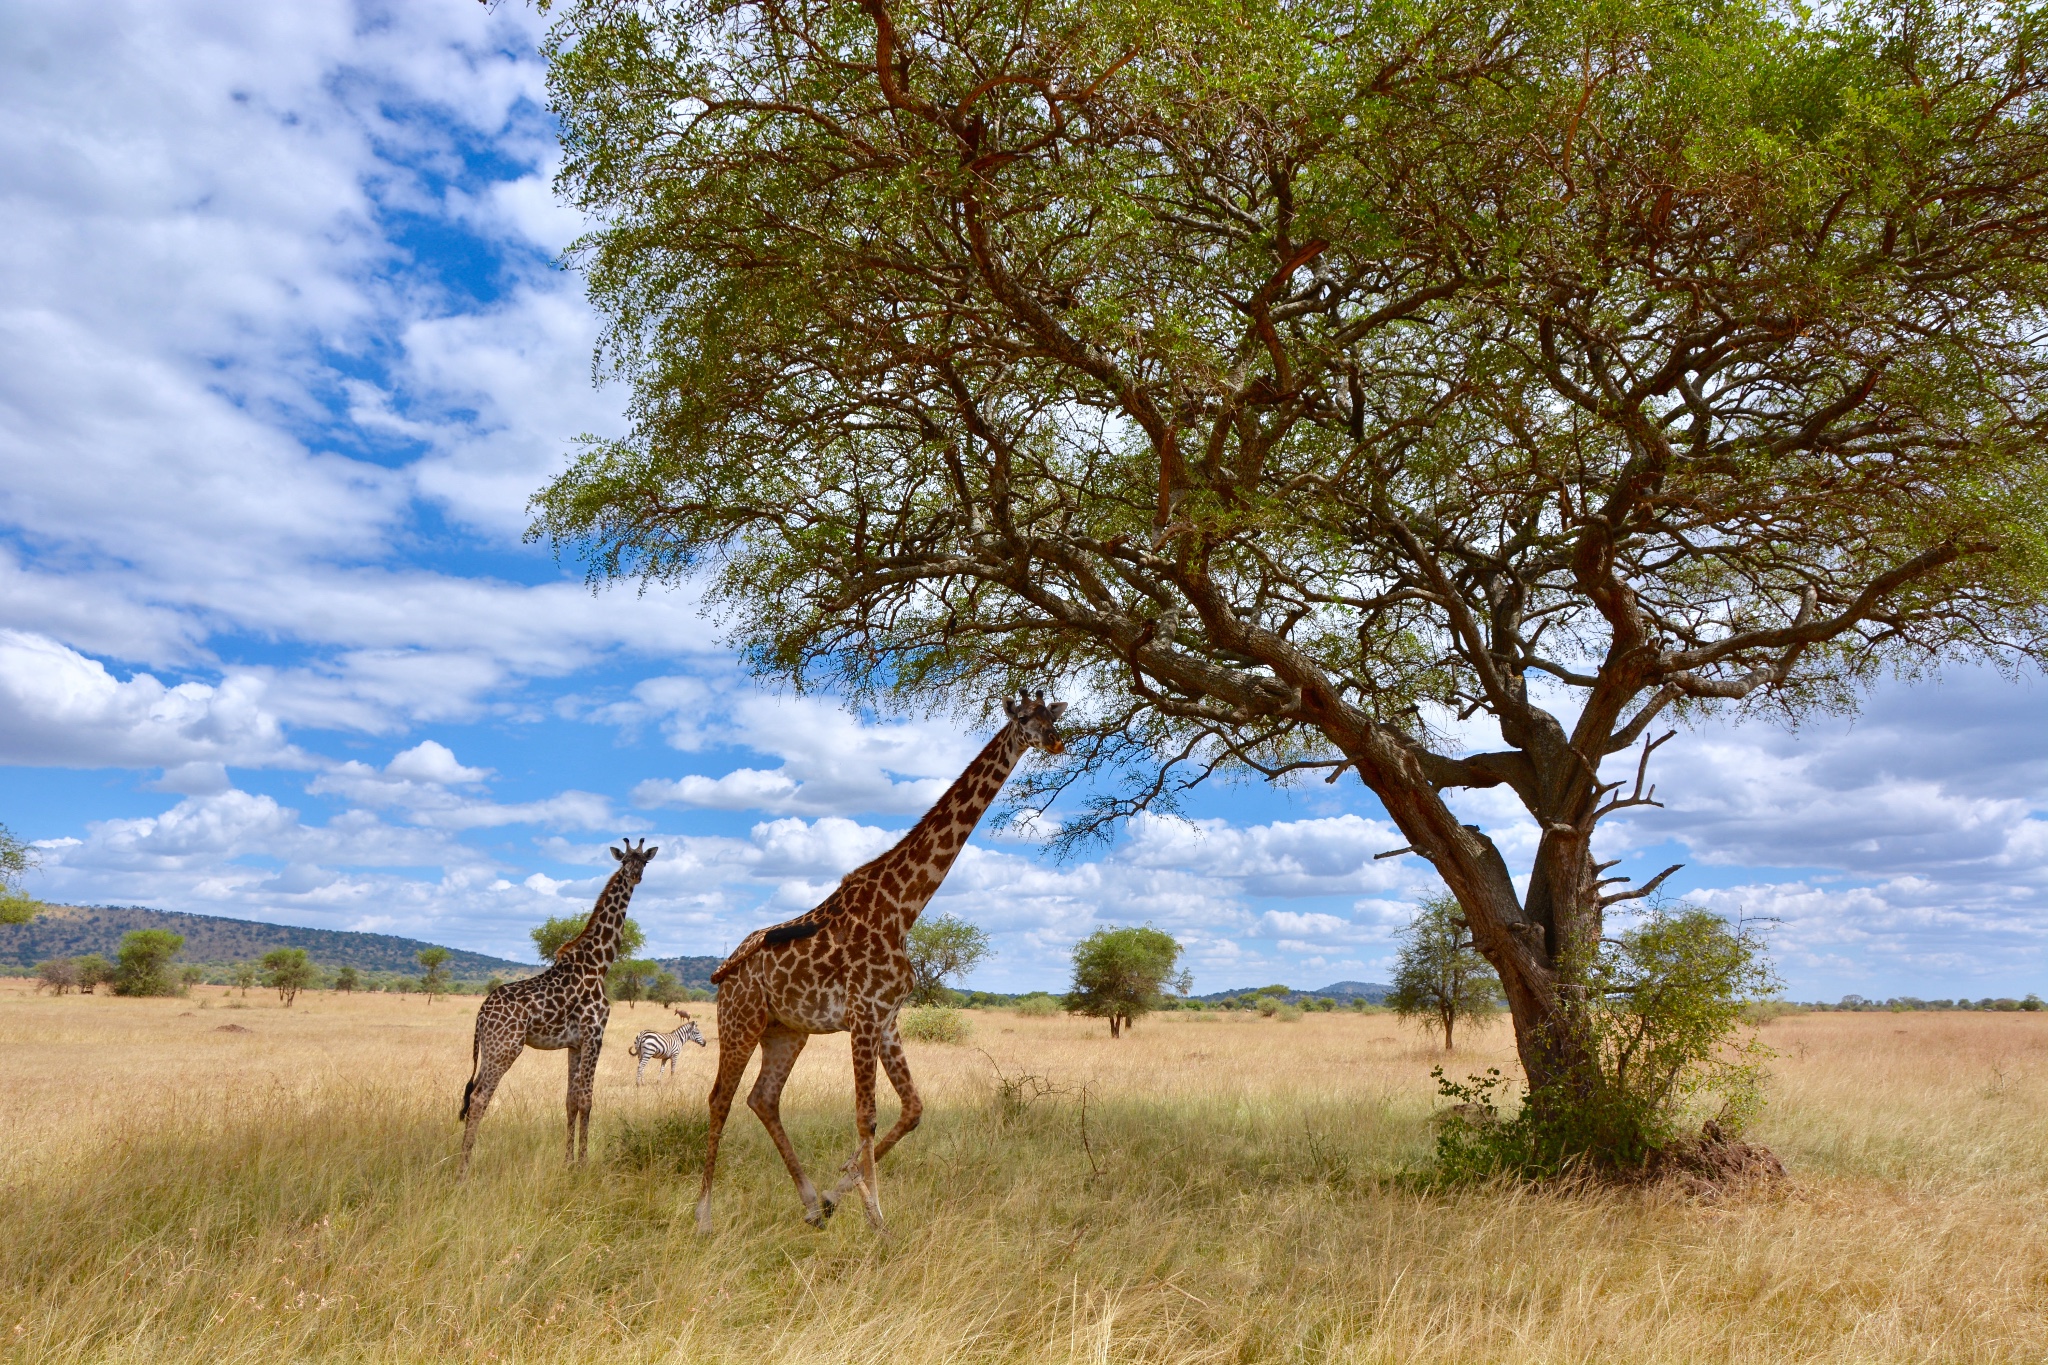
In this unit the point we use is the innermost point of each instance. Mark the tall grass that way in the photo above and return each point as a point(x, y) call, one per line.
point(1221, 1193)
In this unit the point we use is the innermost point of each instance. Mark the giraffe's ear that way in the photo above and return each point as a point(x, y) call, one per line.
point(1011, 708)
point(1056, 710)
point(620, 856)
point(652, 851)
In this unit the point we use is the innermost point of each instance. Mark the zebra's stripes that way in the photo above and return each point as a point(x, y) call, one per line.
point(664, 1048)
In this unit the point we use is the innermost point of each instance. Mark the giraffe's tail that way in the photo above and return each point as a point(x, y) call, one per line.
point(470, 1089)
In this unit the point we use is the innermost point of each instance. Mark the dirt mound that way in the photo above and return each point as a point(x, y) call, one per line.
point(1714, 1165)
point(233, 1028)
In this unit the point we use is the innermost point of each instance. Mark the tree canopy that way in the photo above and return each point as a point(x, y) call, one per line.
point(143, 964)
point(287, 971)
point(1120, 974)
point(942, 947)
point(1440, 975)
point(1290, 381)
point(549, 937)
point(16, 857)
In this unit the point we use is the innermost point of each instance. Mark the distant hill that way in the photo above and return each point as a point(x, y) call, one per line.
point(691, 971)
point(73, 930)
point(1343, 992)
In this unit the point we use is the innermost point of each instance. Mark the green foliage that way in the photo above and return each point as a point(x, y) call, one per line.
point(347, 980)
point(434, 981)
point(287, 971)
point(1120, 973)
point(1666, 1031)
point(942, 947)
point(244, 975)
point(16, 858)
point(143, 966)
point(1441, 977)
point(932, 1024)
point(57, 975)
point(1225, 361)
point(630, 979)
point(666, 990)
point(549, 937)
point(1038, 1005)
point(94, 971)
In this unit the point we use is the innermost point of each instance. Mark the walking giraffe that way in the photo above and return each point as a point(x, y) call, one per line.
point(564, 1007)
point(843, 967)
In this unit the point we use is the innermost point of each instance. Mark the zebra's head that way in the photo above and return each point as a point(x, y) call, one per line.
point(689, 1032)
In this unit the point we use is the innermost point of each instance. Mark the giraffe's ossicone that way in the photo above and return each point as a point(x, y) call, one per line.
point(563, 1007)
point(845, 967)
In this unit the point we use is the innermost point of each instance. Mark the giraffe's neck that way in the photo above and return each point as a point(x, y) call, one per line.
point(921, 860)
point(598, 945)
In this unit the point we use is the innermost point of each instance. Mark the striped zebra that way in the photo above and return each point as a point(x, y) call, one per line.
point(664, 1048)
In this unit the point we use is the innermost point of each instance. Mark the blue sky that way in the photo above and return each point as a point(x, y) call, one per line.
point(286, 349)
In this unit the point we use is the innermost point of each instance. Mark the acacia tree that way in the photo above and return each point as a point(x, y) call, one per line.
point(1287, 380)
point(16, 857)
point(1119, 974)
point(1440, 975)
point(942, 946)
point(434, 980)
point(549, 936)
point(287, 971)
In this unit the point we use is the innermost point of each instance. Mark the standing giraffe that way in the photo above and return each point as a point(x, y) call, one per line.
point(565, 1006)
point(843, 967)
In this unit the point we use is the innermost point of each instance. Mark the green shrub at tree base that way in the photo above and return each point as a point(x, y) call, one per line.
point(1666, 1039)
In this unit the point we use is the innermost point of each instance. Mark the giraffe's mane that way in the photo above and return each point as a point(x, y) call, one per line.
point(591, 918)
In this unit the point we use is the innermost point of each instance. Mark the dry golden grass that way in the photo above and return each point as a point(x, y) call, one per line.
point(176, 1193)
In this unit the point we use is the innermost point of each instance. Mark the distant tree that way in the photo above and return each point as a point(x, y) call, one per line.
point(1120, 973)
point(666, 990)
point(93, 971)
point(630, 979)
point(58, 975)
point(244, 975)
point(346, 980)
point(493, 984)
point(1441, 976)
point(434, 981)
point(16, 857)
point(143, 964)
point(190, 975)
point(548, 938)
point(286, 971)
point(941, 947)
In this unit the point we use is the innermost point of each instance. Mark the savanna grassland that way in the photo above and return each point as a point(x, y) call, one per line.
point(1206, 1189)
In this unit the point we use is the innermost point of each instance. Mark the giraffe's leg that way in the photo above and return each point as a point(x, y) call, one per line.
point(861, 1169)
point(575, 1065)
point(494, 1059)
point(737, 1036)
point(897, 1066)
point(582, 1079)
point(780, 1048)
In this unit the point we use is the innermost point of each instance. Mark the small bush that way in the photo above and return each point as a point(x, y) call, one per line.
point(1288, 1014)
point(673, 1141)
point(1038, 1007)
point(1665, 1028)
point(932, 1024)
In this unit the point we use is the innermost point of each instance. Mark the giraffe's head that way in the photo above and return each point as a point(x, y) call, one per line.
point(633, 861)
point(1034, 718)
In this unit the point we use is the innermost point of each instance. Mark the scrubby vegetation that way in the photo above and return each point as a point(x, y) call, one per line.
point(1212, 1188)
